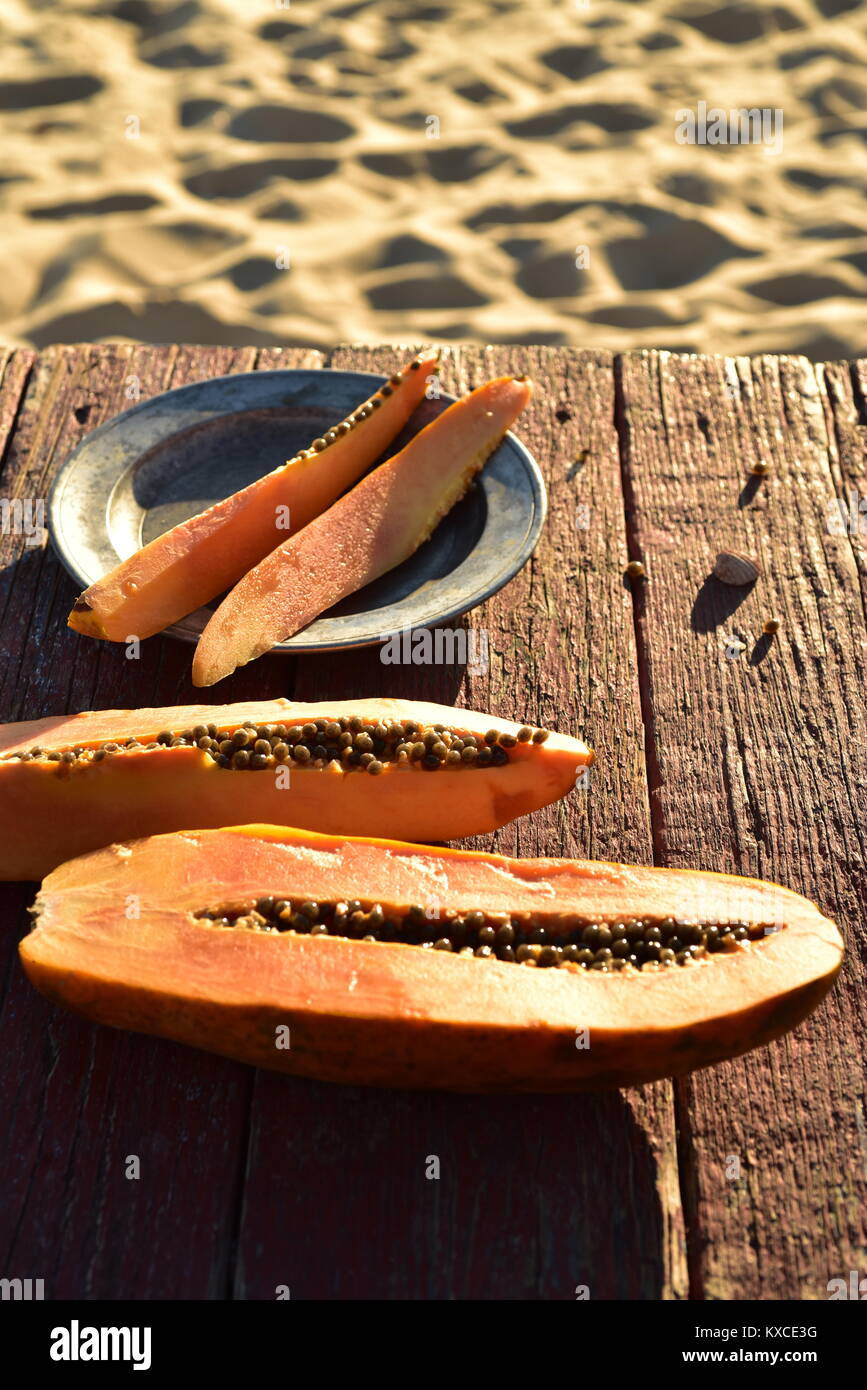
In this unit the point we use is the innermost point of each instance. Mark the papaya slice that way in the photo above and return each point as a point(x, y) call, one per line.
point(370, 530)
point(205, 555)
point(382, 963)
point(76, 782)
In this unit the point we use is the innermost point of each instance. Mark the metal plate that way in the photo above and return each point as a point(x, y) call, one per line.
point(170, 457)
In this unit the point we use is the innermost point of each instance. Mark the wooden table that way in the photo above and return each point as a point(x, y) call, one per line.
point(755, 764)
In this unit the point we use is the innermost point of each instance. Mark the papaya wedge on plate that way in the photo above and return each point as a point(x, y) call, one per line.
point(370, 530)
point(203, 556)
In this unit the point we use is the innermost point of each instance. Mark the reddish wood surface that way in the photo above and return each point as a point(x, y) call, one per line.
point(759, 767)
point(79, 1100)
point(508, 1216)
point(250, 1181)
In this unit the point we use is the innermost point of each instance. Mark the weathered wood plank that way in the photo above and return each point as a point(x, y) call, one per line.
point(756, 765)
point(759, 765)
point(336, 1201)
point(844, 387)
point(80, 1100)
point(16, 365)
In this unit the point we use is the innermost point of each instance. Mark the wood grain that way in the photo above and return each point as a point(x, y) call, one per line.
point(79, 1100)
point(755, 764)
point(759, 766)
point(844, 387)
point(337, 1203)
point(15, 368)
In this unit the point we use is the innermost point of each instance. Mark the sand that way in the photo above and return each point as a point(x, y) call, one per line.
point(241, 171)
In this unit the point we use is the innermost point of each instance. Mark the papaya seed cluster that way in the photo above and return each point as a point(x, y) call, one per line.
point(352, 742)
point(363, 412)
point(524, 939)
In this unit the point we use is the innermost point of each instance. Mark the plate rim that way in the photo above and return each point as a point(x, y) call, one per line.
point(537, 491)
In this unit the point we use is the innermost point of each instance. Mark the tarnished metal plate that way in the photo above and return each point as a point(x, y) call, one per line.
point(170, 457)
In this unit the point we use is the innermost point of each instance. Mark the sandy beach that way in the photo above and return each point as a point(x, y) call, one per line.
point(210, 171)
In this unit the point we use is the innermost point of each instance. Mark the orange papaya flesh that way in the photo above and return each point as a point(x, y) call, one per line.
point(205, 555)
point(391, 1012)
point(370, 530)
point(76, 782)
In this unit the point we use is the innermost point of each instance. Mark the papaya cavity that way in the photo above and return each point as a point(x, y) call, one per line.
point(352, 741)
point(542, 938)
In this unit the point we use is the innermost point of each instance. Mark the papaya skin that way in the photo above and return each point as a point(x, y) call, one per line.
point(370, 530)
point(49, 813)
point(183, 569)
point(389, 1014)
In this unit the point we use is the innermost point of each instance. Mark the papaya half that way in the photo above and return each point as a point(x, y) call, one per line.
point(199, 558)
point(380, 963)
point(369, 531)
point(76, 782)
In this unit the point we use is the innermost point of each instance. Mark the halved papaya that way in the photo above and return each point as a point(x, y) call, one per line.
point(205, 555)
point(369, 531)
point(75, 782)
point(381, 963)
